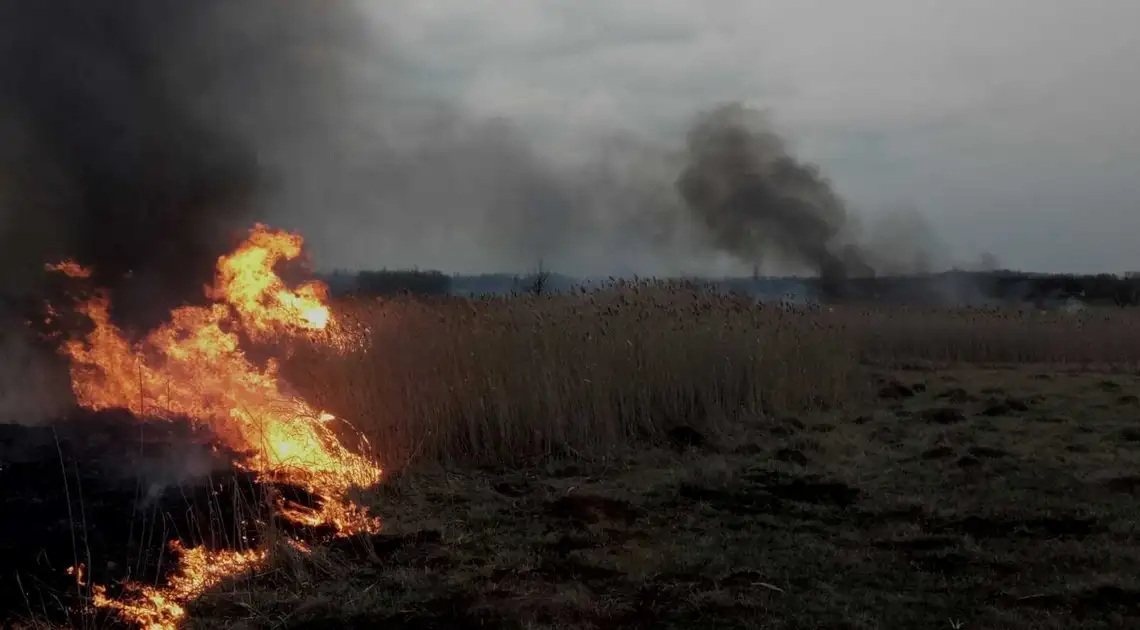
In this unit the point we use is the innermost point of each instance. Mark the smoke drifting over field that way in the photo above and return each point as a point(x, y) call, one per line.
point(129, 133)
point(140, 136)
point(755, 198)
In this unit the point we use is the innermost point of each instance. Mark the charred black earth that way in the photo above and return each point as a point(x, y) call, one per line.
point(110, 492)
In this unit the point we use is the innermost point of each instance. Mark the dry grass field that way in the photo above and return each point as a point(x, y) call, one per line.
point(652, 456)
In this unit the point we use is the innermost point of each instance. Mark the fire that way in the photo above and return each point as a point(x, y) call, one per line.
point(261, 299)
point(194, 367)
point(80, 573)
point(69, 268)
point(162, 609)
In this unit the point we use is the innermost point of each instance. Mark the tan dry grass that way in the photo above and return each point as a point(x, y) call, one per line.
point(1093, 337)
point(505, 379)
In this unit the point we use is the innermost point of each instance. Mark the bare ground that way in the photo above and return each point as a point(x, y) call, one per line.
point(1003, 498)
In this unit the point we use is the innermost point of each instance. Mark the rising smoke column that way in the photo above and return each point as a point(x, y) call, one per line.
point(755, 199)
point(129, 133)
point(138, 135)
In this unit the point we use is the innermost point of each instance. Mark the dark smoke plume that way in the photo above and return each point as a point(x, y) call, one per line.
point(756, 200)
point(128, 133)
point(142, 137)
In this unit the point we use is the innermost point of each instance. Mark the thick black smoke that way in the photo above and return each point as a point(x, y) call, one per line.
point(142, 137)
point(129, 133)
point(757, 201)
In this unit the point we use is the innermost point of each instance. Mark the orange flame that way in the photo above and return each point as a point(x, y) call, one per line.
point(246, 281)
point(69, 268)
point(194, 367)
point(162, 609)
point(80, 573)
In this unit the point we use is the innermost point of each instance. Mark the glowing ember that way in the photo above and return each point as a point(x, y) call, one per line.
point(69, 268)
point(198, 571)
point(194, 368)
point(80, 573)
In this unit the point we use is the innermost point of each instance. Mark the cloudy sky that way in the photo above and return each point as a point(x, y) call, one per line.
point(1010, 126)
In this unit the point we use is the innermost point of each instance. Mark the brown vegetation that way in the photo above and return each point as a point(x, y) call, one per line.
point(499, 379)
point(505, 379)
point(656, 456)
point(858, 466)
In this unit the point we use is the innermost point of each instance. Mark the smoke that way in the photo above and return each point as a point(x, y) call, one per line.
point(756, 199)
point(34, 386)
point(142, 137)
point(449, 190)
point(132, 133)
point(453, 191)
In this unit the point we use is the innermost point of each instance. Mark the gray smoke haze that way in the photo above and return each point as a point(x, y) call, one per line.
point(438, 188)
point(143, 136)
point(33, 387)
point(132, 132)
point(756, 199)
point(446, 190)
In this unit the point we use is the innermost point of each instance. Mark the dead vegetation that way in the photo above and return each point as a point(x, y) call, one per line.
point(883, 515)
point(506, 379)
point(656, 457)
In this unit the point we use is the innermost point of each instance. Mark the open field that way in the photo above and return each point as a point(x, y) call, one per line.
point(853, 467)
point(654, 457)
point(457, 380)
point(1003, 498)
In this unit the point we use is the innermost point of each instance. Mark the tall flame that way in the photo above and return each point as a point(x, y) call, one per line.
point(194, 367)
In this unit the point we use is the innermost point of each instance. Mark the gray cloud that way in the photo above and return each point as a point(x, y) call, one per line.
point(1007, 128)
point(488, 135)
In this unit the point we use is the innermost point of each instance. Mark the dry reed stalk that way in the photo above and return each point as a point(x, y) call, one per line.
point(502, 379)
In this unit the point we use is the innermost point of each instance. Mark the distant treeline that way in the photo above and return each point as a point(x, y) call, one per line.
point(999, 286)
point(428, 282)
point(394, 282)
point(953, 287)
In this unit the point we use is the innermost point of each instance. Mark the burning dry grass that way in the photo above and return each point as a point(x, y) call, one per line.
point(195, 367)
point(505, 381)
point(500, 380)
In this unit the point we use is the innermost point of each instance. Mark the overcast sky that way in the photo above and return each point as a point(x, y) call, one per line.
point(1011, 124)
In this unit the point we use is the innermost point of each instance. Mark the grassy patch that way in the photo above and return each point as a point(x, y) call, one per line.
point(656, 457)
point(993, 521)
point(506, 379)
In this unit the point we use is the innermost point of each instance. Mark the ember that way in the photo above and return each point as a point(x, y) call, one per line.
point(69, 268)
point(194, 372)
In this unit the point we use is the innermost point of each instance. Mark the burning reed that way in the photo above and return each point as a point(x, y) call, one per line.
point(195, 369)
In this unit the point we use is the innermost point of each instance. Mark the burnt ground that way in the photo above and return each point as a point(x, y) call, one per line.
point(110, 492)
point(958, 499)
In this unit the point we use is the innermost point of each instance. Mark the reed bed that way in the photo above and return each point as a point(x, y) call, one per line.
point(1087, 338)
point(501, 379)
point(504, 378)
